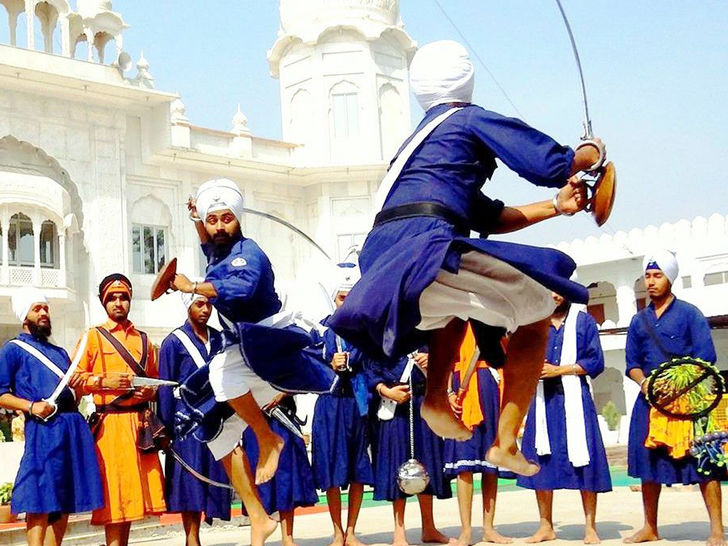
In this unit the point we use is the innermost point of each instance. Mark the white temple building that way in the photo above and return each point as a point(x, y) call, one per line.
point(96, 166)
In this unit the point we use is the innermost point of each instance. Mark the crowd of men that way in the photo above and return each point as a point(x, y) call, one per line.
point(392, 365)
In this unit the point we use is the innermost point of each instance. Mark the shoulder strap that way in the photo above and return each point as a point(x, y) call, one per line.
point(40, 356)
point(653, 335)
point(190, 347)
point(385, 188)
point(137, 367)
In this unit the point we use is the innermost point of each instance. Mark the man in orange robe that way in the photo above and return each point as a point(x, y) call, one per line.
point(132, 481)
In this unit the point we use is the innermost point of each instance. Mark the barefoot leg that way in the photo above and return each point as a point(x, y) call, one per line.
point(238, 470)
point(356, 494)
point(489, 486)
point(545, 532)
point(524, 360)
point(589, 502)
point(400, 536)
point(465, 507)
point(36, 526)
point(287, 528)
point(333, 500)
point(650, 499)
point(713, 502)
point(270, 444)
point(429, 531)
point(191, 525)
point(444, 353)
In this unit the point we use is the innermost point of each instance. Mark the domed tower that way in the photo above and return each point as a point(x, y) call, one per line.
point(345, 62)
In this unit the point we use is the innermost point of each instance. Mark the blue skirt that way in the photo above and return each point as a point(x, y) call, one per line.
point(59, 471)
point(185, 493)
point(340, 437)
point(400, 259)
point(292, 486)
point(392, 448)
point(557, 472)
point(655, 465)
point(469, 456)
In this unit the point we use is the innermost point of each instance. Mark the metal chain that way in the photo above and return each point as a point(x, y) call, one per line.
point(412, 419)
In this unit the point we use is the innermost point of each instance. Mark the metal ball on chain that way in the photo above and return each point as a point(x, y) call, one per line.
point(412, 477)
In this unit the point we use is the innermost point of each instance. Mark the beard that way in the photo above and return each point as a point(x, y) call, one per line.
point(562, 308)
point(40, 332)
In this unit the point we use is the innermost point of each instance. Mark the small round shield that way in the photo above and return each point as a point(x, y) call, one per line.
point(164, 279)
point(603, 193)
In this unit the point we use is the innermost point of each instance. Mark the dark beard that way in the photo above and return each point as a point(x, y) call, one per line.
point(563, 308)
point(41, 333)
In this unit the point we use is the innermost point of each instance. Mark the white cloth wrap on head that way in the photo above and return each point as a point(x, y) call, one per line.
point(24, 298)
point(665, 261)
point(442, 72)
point(188, 298)
point(347, 276)
point(219, 194)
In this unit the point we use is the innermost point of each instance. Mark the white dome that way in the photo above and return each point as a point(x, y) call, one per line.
point(297, 14)
point(92, 7)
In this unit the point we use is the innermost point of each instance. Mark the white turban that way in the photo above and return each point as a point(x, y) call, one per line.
point(664, 260)
point(442, 72)
point(189, 298)
point(23, 300)
point(219, 194)
point(346, 276)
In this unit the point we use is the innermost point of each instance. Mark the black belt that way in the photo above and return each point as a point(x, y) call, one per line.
point(112, 408)
point(413, 210)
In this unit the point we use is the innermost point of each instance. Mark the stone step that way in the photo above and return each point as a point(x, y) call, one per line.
point(617, 456)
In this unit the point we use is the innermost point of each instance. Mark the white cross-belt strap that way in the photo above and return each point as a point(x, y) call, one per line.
point(193, 351)
point(393, 173)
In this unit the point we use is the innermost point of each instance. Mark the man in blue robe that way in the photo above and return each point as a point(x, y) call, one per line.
point(184, 351)
point(423, 276)
point(59, 473)
point(666, 327)
point(562, 432)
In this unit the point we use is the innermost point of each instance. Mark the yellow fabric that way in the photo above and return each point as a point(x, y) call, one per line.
point(674, 434)
point(133, 482)
point(469, 395)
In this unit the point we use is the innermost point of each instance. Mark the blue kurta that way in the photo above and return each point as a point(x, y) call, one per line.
point(292, 486)
point(340, 429)
point(391, 439)
point(557, 472)
point(284, 357)
point(683, 331)
point(469, 455)
point(402, 257)
point(59, 472)
point(183, 492)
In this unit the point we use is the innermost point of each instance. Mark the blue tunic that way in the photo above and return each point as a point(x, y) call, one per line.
point(292, 486)
point(469, 455)
point(284, 357)
point(402, 257)
point(59, 472)
point(183, 492)
point(557, 472)
point(391, 439)
point(340, 428)
point(683, 331)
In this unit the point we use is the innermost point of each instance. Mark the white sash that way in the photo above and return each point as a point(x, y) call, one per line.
point(65, 378)
point(573, 404)
point(387, 406)
point(190, 347)
point(393, 173)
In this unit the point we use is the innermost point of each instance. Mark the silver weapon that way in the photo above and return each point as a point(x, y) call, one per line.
point(279, 415)
point(137, 381)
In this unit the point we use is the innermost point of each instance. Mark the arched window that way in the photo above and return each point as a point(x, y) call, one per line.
point(391, 120)
point(149, 235)
point(48, 245)
point(344, 110)
point(20, 241)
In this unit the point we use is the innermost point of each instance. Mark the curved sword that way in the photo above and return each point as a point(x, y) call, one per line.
point(289, 226)
point(587, 120)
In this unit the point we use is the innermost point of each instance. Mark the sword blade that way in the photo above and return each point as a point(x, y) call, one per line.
point(279, 415)
point(137, 381)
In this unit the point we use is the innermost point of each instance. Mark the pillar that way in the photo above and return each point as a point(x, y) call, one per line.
point(626, 305)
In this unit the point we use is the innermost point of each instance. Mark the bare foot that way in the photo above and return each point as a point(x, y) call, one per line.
point(544, 534)
point(438, 415)
point(259, 532)
point(351, 540)
point(270, 448)
point(491, 535)
point(338, 539)
point(716, 540)
point(513, 461)
point(465, 538)
point(400, 540)
point(289, 542)
point(591, 536)
point(645, 534)
point(433, 536)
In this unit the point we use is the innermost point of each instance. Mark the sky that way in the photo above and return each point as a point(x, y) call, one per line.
point(656, 76)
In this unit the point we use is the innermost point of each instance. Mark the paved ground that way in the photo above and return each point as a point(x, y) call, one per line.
point(682, 516)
